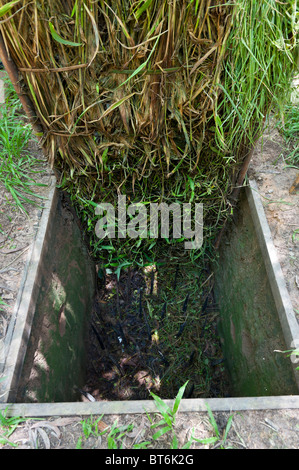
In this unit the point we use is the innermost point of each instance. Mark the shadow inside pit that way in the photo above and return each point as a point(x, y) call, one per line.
point(153, 330)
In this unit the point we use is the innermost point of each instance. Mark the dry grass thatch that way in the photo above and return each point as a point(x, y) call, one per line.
point(157, 99)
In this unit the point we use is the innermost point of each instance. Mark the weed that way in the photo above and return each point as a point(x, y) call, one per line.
point(221, 439)
point(295, 235)
point(11, 98)
point(90, 427)
point(291, 122)
point(217, 440)
point(115, 435)
point(8, 426)
point(2, 304)
point(142, 445)
point(79, 443)
point(17, 166)
point(167, 423)
point(289, 125)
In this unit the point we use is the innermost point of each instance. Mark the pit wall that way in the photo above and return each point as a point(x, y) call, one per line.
point(250, 326)
point(55, 355)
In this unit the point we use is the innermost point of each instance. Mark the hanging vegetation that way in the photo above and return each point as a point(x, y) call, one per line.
point(158, 100)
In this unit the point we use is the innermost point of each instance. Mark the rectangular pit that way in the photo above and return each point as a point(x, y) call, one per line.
point(61, 278)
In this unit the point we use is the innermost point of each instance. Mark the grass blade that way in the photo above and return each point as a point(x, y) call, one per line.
point(59, 39)
point(6, 8)
point(179, 398)
point(161, 432)
point(213, 421)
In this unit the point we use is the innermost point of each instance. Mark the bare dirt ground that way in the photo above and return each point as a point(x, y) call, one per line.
point(269, 429)
point(17, 234)
point(280, 197)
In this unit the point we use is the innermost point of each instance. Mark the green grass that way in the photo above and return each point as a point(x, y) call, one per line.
point(8, 426)
point(166, 426)
point(90, 426)
point(114, 433)
point(168, 421)
point(295, 235)
point(2, 304)
point(17, 166)
point(289, 125)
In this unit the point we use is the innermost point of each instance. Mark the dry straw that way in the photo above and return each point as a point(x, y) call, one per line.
point(157, 99)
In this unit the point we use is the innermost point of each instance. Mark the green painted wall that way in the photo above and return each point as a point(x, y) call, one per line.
point(55, 357)
point(249, 324)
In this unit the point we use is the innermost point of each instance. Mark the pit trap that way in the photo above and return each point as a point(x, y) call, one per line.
point(153, 330)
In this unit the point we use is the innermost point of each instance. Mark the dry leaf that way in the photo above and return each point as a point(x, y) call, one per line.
point(33, 438)
point(47, 424)
point(44, 437)
point(102, 426)
point(63, 421)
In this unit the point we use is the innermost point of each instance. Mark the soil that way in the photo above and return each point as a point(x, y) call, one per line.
point(17, 234)
point(276, 181)
point(265, 429)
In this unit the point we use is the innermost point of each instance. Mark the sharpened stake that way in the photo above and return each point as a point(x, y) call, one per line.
point(86, 394)
point(182, 327)
point(204, 307)
point(152, 282)
point(191, 359)
point(140, 302)
point(98, 337)
point(149, 331)
point(185, 303)
point(163, 313)
point(163, 358)
point(190, 391)
point(122, 334)
point(115, 363)
point(176, 276)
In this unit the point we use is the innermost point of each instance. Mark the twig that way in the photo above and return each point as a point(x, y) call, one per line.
point(59, 69)
point(12, 251)
point(9, 264)
point(270, 425)
point(7, 237)
point(4, 270)
point(206, 280)
point(7, 288)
